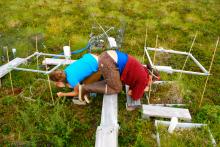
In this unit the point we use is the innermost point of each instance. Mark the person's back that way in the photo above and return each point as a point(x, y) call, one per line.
point(132, 72)
point(81, 69)
point(136, 76)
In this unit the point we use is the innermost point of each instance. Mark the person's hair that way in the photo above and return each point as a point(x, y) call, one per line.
point(58, 76)
point(153, 72)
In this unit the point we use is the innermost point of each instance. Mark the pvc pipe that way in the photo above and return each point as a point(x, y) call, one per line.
point(31, 70)
point(54, 55)
point(167, 105)
point(182, 125)
point(57, 66)
point(148, 56)
point(191, 72)
point(34, 54)
point(167, 69)
point(167, 51)
point(163, 82)
point(197, 63)
point(173, 123)
point(205, 72)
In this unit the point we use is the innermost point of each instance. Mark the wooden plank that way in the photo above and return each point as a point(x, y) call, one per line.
point(130, 102)
point(107, 132)
point(109, 110)
point(165, 112)
point(107, 136)
point(54, 61)
point(6, 68)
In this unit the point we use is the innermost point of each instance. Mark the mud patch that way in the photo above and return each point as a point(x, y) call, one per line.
point(8, 91)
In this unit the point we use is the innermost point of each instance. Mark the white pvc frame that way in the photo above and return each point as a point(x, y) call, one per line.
point(183, 126)
point(169, 69)
point(41, 71)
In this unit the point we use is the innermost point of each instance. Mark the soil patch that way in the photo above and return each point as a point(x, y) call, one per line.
point(169, 93)
point(8, 91)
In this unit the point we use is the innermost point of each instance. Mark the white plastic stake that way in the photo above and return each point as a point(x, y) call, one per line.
point(67, 53)
point(173, 123)
point(14, 52)
point(112, 42)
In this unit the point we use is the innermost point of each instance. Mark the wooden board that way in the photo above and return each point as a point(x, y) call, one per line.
point(107, 132)
point(54, 61)
point(130, 101)
point(109, 110)
point(107, 136)
point(165, 112)
point(6, 68)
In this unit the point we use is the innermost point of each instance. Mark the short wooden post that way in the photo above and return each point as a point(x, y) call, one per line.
point(107, 132)
point(210, 67)
point(12, 88)
point(153, 64)
point(0, 83)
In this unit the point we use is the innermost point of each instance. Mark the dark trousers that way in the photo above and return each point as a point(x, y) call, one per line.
point(111, 83)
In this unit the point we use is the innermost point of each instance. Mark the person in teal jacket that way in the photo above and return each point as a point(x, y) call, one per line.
point(75, 73)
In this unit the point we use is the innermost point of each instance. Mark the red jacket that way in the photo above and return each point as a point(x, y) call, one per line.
point(136, 76)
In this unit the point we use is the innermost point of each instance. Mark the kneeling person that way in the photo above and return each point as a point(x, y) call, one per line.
point(117, 68)
point(82, 69)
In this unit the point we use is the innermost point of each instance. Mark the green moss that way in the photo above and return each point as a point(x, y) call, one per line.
point(61, 21)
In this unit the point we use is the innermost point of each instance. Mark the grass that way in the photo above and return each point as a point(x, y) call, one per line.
point(185, 137)
point(58, 22)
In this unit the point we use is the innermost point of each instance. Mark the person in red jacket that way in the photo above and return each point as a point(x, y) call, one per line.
point(120, 68)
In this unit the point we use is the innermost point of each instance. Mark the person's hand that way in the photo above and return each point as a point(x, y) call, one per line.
point(129, 92)
point(60, 94)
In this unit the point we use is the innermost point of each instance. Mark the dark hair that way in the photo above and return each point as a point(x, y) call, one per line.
point(155, 73)
point(58, 76)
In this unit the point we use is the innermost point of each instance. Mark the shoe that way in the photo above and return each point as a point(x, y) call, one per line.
point(78, 102)
point(131, 108)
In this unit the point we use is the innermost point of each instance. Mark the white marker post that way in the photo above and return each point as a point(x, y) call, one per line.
point(67, 52)
point(112, 42)
point(14, 52)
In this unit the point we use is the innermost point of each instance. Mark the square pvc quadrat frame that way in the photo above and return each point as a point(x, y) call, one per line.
point(183, 126)
point(37, 54)
point(168, 69)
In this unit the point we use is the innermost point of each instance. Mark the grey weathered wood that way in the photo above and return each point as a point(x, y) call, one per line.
point(130, 101)
point(109, 110)
point(168, 105)
point(107, 136)
point(53, 61)
point(107, 132)
point(165, 112)
point(6, 68)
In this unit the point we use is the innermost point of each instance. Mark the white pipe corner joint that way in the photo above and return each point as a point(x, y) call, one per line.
point(173, 123)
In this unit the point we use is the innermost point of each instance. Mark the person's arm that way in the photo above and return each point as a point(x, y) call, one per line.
point(73, 93)
point(130, 92)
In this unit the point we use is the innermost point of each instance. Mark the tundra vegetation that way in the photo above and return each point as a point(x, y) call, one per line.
point(57, 22)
